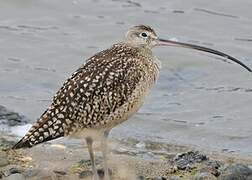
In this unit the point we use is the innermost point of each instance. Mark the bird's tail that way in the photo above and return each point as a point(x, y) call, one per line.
point(22, 144)
point(45, 129)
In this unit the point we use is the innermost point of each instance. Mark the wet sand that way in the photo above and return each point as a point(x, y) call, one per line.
point(128, 160)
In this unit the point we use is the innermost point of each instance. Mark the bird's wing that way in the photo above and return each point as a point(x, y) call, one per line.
point(96, 89)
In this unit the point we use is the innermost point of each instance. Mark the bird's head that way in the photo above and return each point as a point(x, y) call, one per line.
point(141, 36)
point(145, 36)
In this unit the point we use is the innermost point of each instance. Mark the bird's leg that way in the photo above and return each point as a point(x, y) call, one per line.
point(105, 152)
point(91, 153)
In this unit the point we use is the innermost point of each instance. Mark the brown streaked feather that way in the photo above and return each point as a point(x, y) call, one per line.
point(94, 91)
point(145, 28)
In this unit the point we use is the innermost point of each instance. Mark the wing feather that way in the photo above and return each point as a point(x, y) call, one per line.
point(94, 91)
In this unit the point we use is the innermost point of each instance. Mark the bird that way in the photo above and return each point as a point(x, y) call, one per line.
point(105, 91)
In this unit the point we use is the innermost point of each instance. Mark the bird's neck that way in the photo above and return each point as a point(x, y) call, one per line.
point(145, 50)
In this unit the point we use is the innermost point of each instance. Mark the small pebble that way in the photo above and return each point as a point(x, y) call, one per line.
point(85, 174)
point(236, 171)
point(160, 178)
point(60, 172)
point(31, 172)
point(140, 145)
point(14, 170)
point(204, 176)
point(187, 160)
point(141, 178)
point(100, 172)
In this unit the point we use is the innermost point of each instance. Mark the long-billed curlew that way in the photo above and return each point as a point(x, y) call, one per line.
point(104, 92)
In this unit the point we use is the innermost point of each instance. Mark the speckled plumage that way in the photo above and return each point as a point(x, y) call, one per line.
point(100, 94)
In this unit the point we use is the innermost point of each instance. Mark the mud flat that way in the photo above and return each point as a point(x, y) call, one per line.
point(129, 160)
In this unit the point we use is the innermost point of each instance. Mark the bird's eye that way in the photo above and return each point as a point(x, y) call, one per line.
point(143, 34)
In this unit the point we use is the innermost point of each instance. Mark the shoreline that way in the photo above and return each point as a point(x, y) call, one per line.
point(128, 161)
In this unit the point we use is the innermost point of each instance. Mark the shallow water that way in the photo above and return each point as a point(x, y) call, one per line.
point(199, 100)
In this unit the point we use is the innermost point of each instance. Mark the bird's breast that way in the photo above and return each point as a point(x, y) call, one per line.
point(150, 73)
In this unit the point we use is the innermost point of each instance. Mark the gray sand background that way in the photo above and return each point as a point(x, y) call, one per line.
point(199, 100)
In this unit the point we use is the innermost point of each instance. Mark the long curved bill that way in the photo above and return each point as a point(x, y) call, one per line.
point(164, 42)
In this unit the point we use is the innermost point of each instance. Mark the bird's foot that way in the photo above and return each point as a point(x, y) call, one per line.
point(101, 174)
